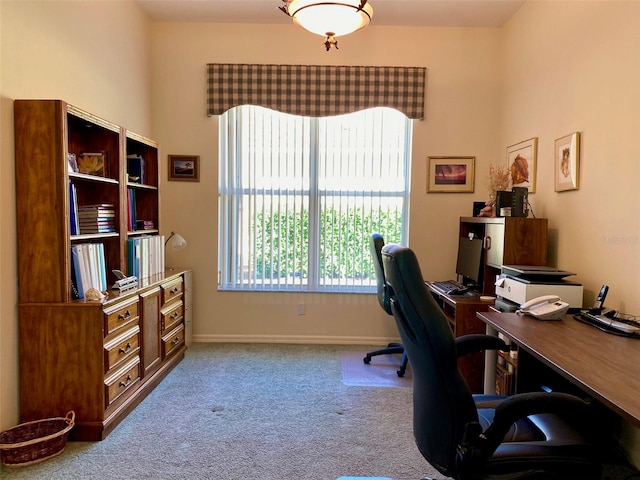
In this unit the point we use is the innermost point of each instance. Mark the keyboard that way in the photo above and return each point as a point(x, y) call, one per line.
point(450, 287)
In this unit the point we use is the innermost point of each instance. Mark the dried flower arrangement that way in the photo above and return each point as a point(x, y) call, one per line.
point(499, 179)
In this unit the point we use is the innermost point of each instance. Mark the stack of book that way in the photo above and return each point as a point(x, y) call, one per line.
point(88, 268)
point(99, 218)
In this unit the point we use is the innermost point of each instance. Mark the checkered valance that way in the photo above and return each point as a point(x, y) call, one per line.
point(315, 90)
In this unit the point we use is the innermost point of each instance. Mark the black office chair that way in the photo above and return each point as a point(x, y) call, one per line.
point(375, 245)
point(467, 436)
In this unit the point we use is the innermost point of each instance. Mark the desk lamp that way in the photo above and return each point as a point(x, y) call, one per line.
point(175, 242)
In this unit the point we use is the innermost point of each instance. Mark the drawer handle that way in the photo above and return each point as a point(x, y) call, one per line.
point(127, 383)
point(176, 341)
point(174, 290)
point(126, 348)
point(126, 315)
point(174, 315)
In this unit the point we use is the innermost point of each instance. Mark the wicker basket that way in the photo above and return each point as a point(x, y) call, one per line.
point(34, 442)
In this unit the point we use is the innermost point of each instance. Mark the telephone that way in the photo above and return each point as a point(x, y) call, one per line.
point(547, 307)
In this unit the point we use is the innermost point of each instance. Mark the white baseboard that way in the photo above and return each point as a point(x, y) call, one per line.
point(303, 339)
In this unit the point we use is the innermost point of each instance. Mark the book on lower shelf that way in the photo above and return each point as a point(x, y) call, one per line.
point(88, 268)
point(145, 256)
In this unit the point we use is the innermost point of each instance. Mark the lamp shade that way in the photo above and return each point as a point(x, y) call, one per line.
point(175, 241)
point(328, 18)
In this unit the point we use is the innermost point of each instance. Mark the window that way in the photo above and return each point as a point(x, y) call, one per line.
point(300, 196)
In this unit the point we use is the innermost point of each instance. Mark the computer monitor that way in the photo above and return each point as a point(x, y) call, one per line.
point(470, 261)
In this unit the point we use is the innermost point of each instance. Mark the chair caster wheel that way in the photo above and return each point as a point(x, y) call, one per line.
point(400, 373)
point(367, 360)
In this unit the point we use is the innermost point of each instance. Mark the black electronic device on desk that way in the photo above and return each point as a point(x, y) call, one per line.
point(609, 320)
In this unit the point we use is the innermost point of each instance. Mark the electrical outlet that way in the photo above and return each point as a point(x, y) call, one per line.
point(301, 309)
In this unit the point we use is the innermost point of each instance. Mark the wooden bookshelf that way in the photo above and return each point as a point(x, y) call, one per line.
point(98, 358)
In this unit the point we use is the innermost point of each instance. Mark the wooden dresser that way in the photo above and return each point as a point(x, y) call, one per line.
point(100, 359)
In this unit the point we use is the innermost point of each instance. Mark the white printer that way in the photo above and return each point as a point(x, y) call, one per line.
point(518, 284)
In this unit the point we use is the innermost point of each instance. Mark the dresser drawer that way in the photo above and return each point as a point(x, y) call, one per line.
point(172, 316)
point(171, 291)
point(122, 380)
point(122, 347)
point(172, 340)
point(120, 316)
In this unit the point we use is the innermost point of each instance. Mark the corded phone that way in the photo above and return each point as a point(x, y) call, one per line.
point(547, 307)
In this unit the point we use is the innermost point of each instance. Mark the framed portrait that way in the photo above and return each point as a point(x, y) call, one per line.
point(184, 168)
point(567, 153)
point(521, 162)
point(451, 174)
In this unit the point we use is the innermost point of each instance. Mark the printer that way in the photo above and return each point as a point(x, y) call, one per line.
point(518, 284)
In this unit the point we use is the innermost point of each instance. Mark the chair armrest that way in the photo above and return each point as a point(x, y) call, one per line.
point(478, 342)
point(524, 404)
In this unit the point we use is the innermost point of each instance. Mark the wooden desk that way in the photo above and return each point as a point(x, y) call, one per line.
point(461, 310)
point(601, 364)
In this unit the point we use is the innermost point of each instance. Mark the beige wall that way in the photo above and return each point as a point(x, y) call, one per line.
point(94, 55)
point(461, 119)
point(575, 66)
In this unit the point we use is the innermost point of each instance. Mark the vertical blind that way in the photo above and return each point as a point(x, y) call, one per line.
point(300, 197)
point(316, 90)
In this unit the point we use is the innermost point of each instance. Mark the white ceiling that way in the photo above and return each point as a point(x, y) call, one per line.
point(445, 13)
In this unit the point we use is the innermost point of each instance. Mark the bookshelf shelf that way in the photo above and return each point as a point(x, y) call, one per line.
point(76, 177)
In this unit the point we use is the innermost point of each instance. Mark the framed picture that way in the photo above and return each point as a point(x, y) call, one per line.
point(521, 161)
point(93, 163)
point(567, 162)
point(184, 168)
point(451, 174)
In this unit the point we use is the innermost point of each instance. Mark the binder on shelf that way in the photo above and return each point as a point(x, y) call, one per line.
point(135, 169)
point(73, 210)
point(77, 290)
point(145, 256)
point(88, 267)
point(131, 209)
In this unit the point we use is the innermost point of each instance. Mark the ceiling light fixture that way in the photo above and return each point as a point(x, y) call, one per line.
point(329, 19)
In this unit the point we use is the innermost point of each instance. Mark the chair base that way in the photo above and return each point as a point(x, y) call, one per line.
point(391, 349)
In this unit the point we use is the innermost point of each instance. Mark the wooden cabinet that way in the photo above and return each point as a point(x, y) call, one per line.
point(507, 241)
point(98, 358)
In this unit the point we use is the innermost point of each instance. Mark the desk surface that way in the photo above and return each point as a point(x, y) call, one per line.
point(605, 366)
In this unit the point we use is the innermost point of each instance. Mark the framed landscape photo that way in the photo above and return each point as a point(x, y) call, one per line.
point(451, 174)
point(184, 168)
point(567, 169)
point(521, 162)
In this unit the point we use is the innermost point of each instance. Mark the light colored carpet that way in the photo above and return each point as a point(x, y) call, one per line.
point(267, 412)
point(240, 411)
point(381, 372)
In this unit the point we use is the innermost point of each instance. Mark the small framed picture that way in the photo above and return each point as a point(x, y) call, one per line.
point(184, 168)
point(567, 153)
point(521, 161)
point(451, 174)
